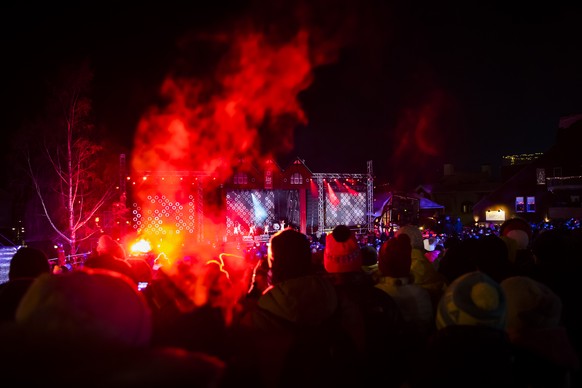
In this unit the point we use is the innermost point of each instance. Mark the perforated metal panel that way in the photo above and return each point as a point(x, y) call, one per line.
point(351, 209)
point(242, 207)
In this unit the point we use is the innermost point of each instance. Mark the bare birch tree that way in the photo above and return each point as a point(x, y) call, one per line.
point(68, 169)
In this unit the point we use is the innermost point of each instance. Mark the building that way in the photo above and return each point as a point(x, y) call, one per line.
point(459, 191)
point(547, 186)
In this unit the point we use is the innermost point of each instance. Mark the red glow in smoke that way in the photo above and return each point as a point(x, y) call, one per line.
point(208, 278)
point(423, 129)
point(421, 136)
point(210, 129)
point(246, 111)
point(258, 86)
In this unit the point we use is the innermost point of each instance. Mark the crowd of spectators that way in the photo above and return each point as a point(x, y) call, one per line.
point(491, 306)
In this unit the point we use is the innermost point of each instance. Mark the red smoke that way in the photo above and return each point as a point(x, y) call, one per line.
point(210, 127)
point(245, 110)
point(421, 137)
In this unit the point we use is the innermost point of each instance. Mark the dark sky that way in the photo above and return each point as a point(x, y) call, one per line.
point(413, 86)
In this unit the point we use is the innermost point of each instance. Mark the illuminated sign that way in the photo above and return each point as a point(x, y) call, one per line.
point(495, 215)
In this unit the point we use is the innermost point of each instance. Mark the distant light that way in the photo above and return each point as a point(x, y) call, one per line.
point(141, 246)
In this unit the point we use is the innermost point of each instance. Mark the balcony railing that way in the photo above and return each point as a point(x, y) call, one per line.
point(564, 182)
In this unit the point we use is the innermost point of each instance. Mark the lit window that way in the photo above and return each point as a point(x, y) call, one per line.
point(296, 179)
point(240, 178)
point(531, 204)
point(519, 205)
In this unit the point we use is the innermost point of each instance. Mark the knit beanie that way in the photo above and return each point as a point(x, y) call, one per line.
point(415, 234)
point(530, 304)
point(472, 299)
point(28, 262)
point(395, 257)
point(534, 323)
point(88, 305)
point(521, 238)
point(518, 229)
point(289, 255)
point(342, 252)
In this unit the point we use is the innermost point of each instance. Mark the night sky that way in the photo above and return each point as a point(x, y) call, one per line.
point(408, 86)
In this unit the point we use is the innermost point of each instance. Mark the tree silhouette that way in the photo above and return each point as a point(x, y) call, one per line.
point(66, 162)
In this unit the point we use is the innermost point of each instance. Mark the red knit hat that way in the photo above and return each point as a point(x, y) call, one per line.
point(342, 252)
point(395, 257)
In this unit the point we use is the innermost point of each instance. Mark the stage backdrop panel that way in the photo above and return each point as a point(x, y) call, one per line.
point(349, 209)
